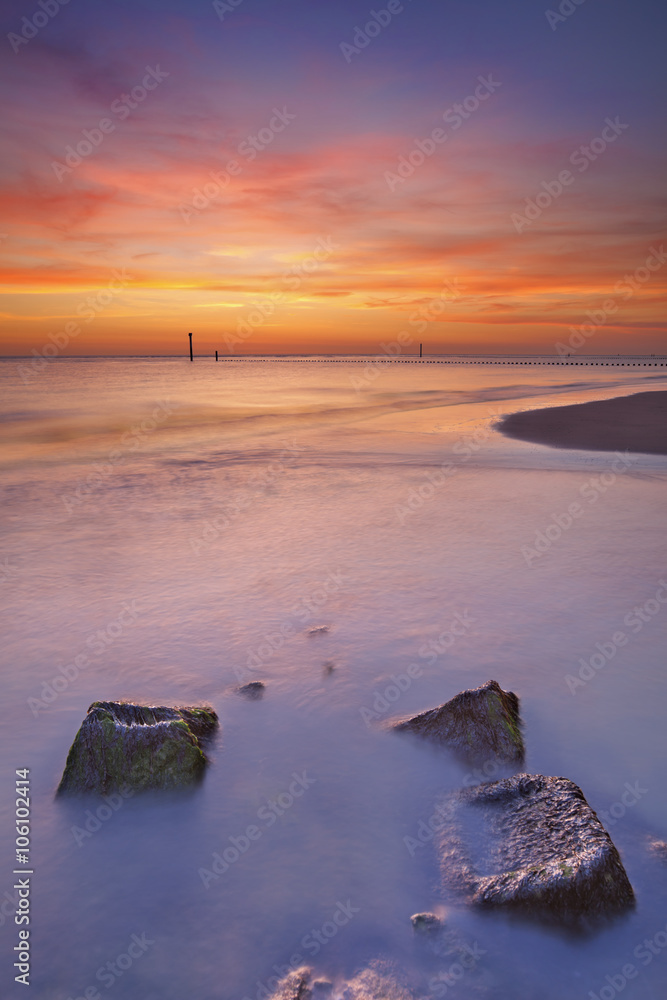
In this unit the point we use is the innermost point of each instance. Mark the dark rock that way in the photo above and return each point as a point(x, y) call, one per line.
point(120, 745)
point(318, 629)
point(426, 923)
point(253, 691)
point(482, 724)
point(533, 844)
point(295, 986)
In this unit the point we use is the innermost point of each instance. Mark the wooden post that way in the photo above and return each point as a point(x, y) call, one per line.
point(216, 355)
point(420, 350)
point(190, 336)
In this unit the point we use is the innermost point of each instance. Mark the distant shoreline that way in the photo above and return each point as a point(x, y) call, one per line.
point(626, 423)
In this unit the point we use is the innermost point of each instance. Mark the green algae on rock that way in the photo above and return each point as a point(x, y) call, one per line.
point(532, 843)
point(145, 748)
point(481, 724)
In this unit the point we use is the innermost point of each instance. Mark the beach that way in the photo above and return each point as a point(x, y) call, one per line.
point(637, 423)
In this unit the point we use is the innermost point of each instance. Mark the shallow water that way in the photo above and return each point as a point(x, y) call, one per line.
point(270, 499)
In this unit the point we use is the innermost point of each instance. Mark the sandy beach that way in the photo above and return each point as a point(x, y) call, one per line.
point(634, 423)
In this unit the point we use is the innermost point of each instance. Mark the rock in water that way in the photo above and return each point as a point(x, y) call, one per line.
point(135, 746)
point(532, 843)
point(294, 986)
point(254, 690)
point(482, 724)
point(427, 924)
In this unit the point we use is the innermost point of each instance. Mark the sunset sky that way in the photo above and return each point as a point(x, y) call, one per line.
point(267, 176)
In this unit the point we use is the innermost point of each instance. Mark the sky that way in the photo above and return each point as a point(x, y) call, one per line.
point(323, 177)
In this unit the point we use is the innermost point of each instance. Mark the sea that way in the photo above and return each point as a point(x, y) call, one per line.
point(356, 534)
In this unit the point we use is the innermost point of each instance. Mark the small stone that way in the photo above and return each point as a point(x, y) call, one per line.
point(426, 923)
point(659, 849)
point(318, 630)
point(253, 691)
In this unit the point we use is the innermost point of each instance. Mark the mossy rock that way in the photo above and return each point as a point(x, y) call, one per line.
point(143, 748)
point(481, 724)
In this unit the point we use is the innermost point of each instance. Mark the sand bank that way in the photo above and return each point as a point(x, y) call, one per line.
point(634, 423)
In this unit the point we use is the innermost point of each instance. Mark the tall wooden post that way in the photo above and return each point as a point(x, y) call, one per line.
point(420, 350)
point(191, 357)
point(216, 355)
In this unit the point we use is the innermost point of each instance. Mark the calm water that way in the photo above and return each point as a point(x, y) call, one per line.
point(186, 527)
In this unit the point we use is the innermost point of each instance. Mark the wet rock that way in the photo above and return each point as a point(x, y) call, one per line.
point(253, 691)
point(532, 844)
point(318, 630)
point(482, 724)
point(120, 745)
point(426, 923)
point(295, 986)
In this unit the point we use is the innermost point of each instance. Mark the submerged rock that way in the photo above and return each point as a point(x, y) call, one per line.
point(658, 849)
point(532, 843)
point(375, 983)
point(120, 745)
point(482, 724)
point(253, 691)
point(295, 986)
point(426, 923)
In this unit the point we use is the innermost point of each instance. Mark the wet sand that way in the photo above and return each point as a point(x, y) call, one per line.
point(633, 423)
